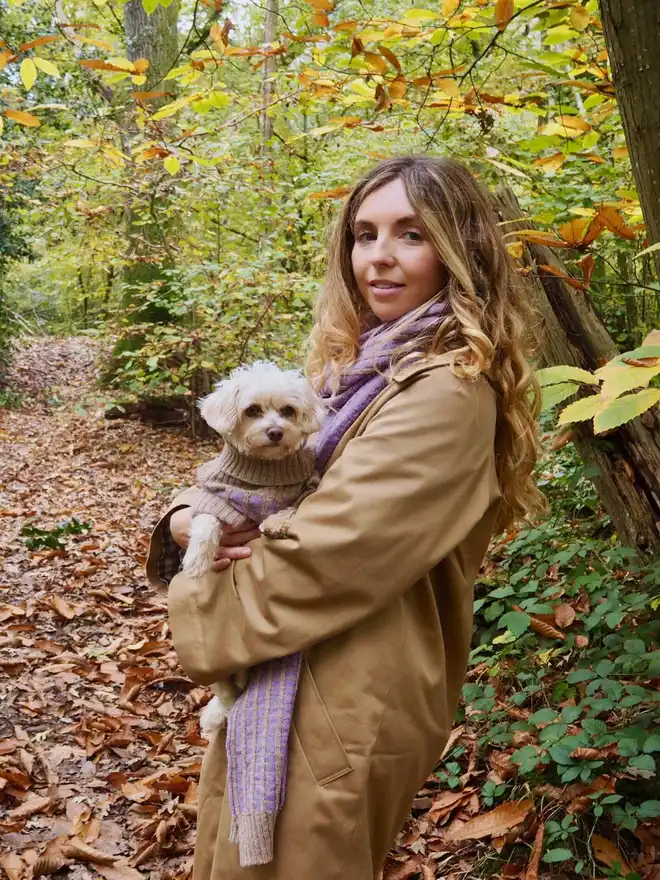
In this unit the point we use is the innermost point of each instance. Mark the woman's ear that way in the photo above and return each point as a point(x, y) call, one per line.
point(312, 412)
point(219, 409)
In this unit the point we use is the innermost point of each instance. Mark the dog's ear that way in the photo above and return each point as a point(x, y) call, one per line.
point(312, 411)
point(220, 408)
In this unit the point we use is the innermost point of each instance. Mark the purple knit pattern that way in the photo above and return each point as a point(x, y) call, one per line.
point(259, 722)
point(368, 376)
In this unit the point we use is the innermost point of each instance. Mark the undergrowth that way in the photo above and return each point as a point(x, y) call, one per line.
point(562, 696)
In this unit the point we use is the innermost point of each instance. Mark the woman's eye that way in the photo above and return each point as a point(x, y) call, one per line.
point(252, 412)
point(288, 412)
point(365, 236)
point(412, 235)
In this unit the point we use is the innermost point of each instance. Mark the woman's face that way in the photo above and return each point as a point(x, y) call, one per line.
point(394, 262)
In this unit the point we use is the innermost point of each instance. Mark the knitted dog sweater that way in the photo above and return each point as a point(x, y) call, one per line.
point(236, 487)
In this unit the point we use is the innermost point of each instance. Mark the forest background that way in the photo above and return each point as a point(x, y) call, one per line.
point(169, 171)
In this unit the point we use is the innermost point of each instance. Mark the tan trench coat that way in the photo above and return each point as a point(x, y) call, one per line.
point(374, 582)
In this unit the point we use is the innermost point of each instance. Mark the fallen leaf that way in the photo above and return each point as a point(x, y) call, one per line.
point(12, 865)
point(607, 853)
point(82, 852)
point(495, 822)
point(30, 807)
point(532, 872)
point(564, 615)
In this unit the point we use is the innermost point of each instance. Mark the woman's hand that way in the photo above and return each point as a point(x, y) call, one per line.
point(231, 544)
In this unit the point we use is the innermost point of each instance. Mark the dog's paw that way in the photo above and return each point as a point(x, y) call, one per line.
point(213, 717)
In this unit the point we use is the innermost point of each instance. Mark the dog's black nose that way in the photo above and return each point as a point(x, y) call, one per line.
point(275, 434)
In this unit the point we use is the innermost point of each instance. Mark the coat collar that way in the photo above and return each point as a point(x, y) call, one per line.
point(403, 377)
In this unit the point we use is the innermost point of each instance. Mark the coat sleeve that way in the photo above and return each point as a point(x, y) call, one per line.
point(398, 499)
point(164, 557)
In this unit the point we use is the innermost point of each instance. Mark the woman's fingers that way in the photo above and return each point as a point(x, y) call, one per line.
point(226, 555)
point(238, 537)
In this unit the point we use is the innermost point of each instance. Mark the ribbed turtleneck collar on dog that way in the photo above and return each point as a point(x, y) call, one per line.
point(294, 468)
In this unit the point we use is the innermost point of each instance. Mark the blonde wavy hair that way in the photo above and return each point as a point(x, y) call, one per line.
point(489, 327)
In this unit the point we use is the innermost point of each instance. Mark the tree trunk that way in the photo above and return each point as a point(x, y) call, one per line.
point(270, 35)
point(147, 223)
point(627, 459)
point(632, 36)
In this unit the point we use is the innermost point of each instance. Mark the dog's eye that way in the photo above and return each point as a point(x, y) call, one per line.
point(287, 412)
point(254, 411)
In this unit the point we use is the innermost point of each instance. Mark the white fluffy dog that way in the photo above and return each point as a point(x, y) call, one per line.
point(265, 416)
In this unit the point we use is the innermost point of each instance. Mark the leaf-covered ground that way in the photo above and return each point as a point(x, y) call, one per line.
point(99, 744)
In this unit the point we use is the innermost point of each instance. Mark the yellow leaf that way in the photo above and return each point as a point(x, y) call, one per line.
point(416, 16)
point(503, 13)
point(449, 7)
point(448, 87)
point(573, 122)
point(28, 73)
point(172, 165)
point(550, 164)
point(141, 65)
point(624, 409)
point(619, 378)
point(515, 248)
point(23, 118)
point(100, 44)
point(579, 17)
point(620, 152)
point(376, 62)
point(582, 410)
point(2, 124)
point(138, 80)
point(47, 67)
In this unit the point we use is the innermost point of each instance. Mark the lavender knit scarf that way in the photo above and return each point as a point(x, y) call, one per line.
point(259, 723)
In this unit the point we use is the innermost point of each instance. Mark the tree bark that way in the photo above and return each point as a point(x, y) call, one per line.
point(270, 35)
point(632, 36)
point(627, 459)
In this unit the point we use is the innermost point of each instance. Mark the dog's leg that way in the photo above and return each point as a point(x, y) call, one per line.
point(214, 715)
point(204, 541)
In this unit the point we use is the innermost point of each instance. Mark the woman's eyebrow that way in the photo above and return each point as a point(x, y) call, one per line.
point(400, 221)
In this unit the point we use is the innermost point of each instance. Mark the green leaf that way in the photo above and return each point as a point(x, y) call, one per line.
point(150, 5)
point(416, 16)
point(557, 855)
point(515, 621)
point(555, 375)
point(560, 755)
point(570, 714)
point(649, 810)
point(581, 410)
point(634, 646)
point(543, 716)
point(580, 675)
point(652, 744)
point(554, 394)
point(643, 762)
point(624, 409)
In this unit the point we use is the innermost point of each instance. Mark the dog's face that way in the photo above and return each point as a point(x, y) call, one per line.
point(263, 411)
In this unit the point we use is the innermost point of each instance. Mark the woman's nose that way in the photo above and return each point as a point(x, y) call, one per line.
point(382, 251)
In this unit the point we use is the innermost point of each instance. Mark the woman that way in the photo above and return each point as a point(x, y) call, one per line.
point(428, 448)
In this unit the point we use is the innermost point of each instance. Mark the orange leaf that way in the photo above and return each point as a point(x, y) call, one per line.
point(587, 264)
point(337, 193)
point(615, 222)
point(541, 627)
point(397, 88)
point(321, 19)
point(493, 823)
point(40, 41)
point(586, 754)
point(346, 26)
point(100, 64)
point(321, 5)
point(23, 118)
point(141, 65)
point(148, 96)
point(550, 163)
point(243, 51)
point(503, 13)
point(574, 122)
point(607, 853)
point(595, 228)
point(537, 237)
point(391, 57)
point(532, 872)
point(564, 615)
point(6, 57)
point(574, 231)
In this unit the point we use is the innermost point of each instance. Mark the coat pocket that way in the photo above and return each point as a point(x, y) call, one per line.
point(318, 738)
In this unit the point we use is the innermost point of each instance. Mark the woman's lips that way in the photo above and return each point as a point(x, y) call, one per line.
point(383, 288)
